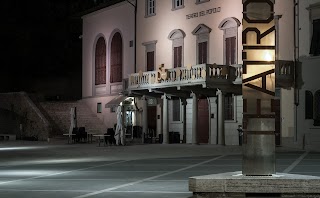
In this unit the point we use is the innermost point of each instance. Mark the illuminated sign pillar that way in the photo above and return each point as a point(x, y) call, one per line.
point(258, 87)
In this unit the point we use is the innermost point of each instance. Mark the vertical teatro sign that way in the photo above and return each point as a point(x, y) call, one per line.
point(258, 87)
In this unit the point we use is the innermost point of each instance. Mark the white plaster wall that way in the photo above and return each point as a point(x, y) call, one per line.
point(286, 29)
point(108, 117)
point(287, 112)
point(231, 132)
point(310, 71)
point(286, 52)
point(102, 23)
point(304, 26)
point(159, 26)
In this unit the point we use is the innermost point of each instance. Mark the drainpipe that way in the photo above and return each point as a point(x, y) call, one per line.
point(135, 37)
point(296, 61)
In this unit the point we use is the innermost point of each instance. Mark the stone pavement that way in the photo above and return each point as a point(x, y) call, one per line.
point(58, 169)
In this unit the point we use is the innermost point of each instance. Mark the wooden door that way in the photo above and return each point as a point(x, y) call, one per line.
point(203, 121)
point(152, 117)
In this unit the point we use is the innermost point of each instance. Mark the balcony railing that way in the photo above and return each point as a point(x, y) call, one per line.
point(185, 76)
point(205, 74)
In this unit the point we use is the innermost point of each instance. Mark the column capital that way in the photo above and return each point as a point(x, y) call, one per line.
point(193, 95)
point(165, 96)
point(144, 97)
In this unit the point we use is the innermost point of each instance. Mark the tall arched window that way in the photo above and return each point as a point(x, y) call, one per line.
point(100, 62)
point(317, 108)
point(202, 33)
point(230, 38)
point(177, 37)
point(116, 58)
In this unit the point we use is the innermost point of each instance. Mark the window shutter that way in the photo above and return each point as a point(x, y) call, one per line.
point(233, 50)
point(180, 56)
point(205, 53)
point(116, 58)
point(230, 50)
point(150, 61)
point(177, 57)
point(200, 53)
point(100, 62)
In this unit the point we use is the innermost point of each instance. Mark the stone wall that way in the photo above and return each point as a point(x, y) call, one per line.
point(34, 125)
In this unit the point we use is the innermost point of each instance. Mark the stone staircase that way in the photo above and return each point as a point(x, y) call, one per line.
point(59, 113)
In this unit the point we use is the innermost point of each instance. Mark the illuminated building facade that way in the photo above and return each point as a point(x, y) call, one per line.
point(186, 73)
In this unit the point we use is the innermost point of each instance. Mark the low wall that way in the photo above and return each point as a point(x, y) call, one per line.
point(34, 125)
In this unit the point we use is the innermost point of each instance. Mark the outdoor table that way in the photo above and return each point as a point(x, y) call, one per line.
point(70, 136)
point(89, 137)
point(101, 136)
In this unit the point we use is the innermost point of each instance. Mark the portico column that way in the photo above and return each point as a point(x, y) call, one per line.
point(165, 120)
point(221, 138)
point(194, 118)
point(184, 125)
point(144, 117)
point(124, 116)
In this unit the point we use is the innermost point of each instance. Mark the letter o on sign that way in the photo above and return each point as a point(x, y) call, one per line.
point(258, 11)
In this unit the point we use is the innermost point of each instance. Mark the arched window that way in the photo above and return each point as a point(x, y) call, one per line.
point(230, 38)
point(116, 58)
point(308, 105)
point(317, 108)
point(177, 37)
point(202, 32)
point(100, 62)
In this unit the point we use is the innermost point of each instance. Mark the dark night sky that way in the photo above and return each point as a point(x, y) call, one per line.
point(40, 45)
point(41, 49)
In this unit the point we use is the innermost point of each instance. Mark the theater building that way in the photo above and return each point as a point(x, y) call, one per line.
point(178, 67)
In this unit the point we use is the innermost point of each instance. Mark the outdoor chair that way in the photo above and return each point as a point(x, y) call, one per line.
point(82, 134)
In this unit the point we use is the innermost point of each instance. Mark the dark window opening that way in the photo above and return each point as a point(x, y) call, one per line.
point(315, 41)
point(176, 110)
point(99, 107)
point(228, 108)
point(308, 105)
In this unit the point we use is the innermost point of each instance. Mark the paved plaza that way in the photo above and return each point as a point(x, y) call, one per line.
point(58, 169)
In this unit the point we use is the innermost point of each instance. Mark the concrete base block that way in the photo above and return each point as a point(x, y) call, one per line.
point(234, 184)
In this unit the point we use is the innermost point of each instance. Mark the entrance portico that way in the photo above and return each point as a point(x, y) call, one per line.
point(187, 84)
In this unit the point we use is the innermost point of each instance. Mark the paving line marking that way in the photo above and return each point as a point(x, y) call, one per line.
point(296, 162)
point(60, 173)
point(158, 192)
point(26, 190)
point(86, 191)
point(147, 179)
